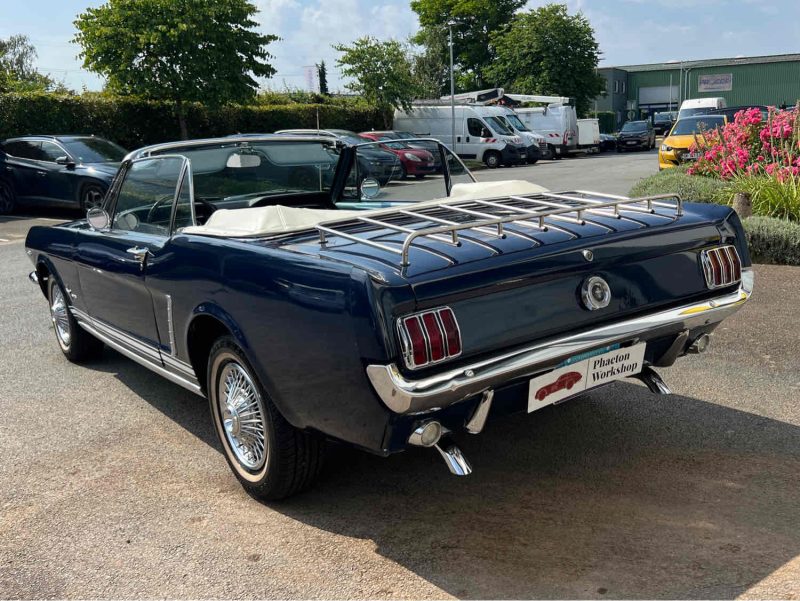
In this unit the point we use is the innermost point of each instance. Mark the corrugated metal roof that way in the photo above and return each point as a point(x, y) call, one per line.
point(714, 62)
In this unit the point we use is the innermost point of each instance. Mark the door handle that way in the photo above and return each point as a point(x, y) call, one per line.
point(140, 253)
point(41, 173)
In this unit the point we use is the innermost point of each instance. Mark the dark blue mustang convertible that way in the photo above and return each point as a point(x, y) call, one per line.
point(309, 303)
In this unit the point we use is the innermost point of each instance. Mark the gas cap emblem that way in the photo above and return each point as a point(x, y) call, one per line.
point(595, 293)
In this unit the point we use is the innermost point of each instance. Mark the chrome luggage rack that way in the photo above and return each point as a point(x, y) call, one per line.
point(499, 217)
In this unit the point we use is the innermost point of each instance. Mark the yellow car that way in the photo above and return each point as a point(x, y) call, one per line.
point(674, 149)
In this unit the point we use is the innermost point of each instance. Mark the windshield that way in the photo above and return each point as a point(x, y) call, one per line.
point(516, 123)
point(256, 169)
point(662, 117)
point(634, 126)
point(499, 126)
point(696, 125)
point(702, 110)
point(94, 150)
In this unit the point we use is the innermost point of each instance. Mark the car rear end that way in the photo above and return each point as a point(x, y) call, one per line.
point(508, 303)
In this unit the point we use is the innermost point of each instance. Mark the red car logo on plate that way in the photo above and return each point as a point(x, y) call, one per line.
point(565, 381)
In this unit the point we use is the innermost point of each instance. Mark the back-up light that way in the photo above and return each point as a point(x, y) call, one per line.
point(721, 266)
point(429, 337)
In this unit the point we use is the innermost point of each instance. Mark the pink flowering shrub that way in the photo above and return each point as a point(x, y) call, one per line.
point(750, 145)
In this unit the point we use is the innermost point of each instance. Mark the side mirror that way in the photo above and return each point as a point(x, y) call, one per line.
point(98, 219)
point(369, 188)
point(66, 161)
point(485, 133)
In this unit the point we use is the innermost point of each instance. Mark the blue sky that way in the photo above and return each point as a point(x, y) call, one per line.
point(628, 31)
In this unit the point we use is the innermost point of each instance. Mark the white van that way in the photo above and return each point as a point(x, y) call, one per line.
point(480, 132)
point(557, 122)
point(535, 142)
point(700, 106)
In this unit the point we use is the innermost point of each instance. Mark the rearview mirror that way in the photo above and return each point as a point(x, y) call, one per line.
point(243, 161)
point(369, 188)
point(98, 219)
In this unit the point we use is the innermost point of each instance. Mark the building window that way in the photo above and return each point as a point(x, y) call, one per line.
point(623, 87)
point(616, 86)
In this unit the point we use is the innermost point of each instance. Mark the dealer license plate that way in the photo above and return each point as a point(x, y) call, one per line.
point(691, 156)
point(585, 374)
point(631, 142)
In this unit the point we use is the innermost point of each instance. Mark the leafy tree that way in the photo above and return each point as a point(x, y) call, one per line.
point(17, 70)
point(176, 50)
point(548, 51)
point(322, 76)
point(474, 22)
point(381, 73)
point(431, 66)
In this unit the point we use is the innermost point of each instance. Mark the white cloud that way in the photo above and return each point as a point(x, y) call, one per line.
point(308, 32)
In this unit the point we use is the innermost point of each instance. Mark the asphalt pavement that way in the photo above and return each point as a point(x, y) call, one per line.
point(112, 483)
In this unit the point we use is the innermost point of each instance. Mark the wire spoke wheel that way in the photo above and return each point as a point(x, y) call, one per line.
point(58, 312)
point(242, 413)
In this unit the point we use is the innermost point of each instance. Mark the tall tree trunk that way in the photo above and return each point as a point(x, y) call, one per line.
point(182, 120)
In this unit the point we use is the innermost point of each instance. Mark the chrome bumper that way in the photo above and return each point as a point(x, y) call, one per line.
point(402, 395)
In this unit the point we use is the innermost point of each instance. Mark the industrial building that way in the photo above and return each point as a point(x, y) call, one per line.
point(637, 91)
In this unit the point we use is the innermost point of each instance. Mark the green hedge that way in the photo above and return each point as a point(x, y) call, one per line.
point(134, 123)
point(692, 188)
point(773, 240)
point(607, 121)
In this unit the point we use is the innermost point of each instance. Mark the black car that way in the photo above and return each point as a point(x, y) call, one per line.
point(70, 171)
point(607, 142)
point(636, 135)
point(663, 122)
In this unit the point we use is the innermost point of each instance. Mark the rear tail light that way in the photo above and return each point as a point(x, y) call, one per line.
point(721, 266)
point(429, 337)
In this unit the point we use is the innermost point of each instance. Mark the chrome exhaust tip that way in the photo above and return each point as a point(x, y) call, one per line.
point(700, 345)
point(426, 435)
point(433, 434)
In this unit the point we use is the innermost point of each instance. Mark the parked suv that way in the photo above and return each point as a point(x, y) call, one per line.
point(70, 171)
point(636, 135)
point(663, 122)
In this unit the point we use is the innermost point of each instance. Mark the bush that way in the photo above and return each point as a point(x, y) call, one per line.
point(606, 119)
point(692, 188)
point(133, 122)
point(773, 240)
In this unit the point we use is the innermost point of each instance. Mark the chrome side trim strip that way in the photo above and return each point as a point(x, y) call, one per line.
point(134, 349)
point(170, 327)
point(192, 386)
point(402, 395)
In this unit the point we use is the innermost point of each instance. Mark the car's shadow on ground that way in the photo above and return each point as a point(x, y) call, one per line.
point(619, 494)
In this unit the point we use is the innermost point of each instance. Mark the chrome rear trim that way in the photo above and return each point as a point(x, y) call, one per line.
point(403, 395)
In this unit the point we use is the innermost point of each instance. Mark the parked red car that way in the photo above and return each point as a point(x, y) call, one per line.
point(413, 161)
point(567, 380)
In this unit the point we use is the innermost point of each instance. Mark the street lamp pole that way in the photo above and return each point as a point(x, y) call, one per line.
point(452, 92)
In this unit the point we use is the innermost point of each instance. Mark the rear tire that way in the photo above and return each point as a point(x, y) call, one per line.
point(271, 458)
point(77, 344)
point(492, 159)
point(553, 154)
point(8, 199)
